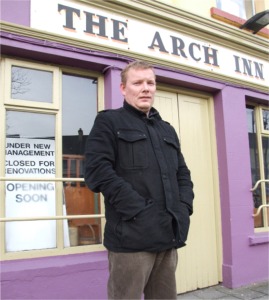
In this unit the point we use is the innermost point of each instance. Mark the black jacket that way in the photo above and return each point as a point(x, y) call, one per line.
point(136, 163)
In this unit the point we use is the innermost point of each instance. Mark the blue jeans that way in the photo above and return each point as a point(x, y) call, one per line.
point(134, 274)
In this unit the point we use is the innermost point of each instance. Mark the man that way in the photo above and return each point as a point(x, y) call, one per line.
point(133, 158)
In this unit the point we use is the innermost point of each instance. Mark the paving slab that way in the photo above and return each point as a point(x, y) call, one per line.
point(254, 291)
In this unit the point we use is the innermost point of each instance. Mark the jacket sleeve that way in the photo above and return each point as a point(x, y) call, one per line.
point(100, 175)
point(185, 183)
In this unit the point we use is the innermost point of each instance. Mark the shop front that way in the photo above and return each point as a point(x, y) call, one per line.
point(60, 65)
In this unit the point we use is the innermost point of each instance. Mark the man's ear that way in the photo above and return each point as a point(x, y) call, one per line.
point(122, 89)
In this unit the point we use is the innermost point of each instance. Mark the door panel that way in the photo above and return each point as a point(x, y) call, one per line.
point(167, 104)
point(198, 262)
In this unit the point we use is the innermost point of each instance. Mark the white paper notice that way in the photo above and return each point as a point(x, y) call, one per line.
point(30, 158)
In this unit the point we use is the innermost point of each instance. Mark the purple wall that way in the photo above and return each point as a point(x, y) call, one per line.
point(17, 12)
point(81, 276)
point(243, 262)
point(113, 96)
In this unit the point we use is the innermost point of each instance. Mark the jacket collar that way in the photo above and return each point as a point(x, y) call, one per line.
point(153, 113)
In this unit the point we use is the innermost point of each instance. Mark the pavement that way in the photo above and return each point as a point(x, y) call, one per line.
point(253, 291)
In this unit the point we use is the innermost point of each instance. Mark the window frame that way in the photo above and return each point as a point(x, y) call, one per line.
point(260, 133)
point(54, 108)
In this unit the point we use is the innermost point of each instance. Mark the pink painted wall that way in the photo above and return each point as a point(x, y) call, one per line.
point(113, 96)
point(80, 276)
point(17, 12)
point(243, 262)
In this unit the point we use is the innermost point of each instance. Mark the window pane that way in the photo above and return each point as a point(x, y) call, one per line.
point(265, 117)
point(30, 153)
point(242, 8)
point(265, 149)
point(254, 160)
point(31, 85)
point(79, 111)
point(234, 7)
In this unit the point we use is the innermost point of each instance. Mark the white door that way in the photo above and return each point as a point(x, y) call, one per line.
point(200, 261)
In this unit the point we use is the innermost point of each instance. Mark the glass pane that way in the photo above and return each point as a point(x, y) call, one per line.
point(241, 8)
point(30, 153)
point(265, 118)
point(234, 7)
point(31, 85)
point(79, 111)
point(254, 160)
point(265, 149)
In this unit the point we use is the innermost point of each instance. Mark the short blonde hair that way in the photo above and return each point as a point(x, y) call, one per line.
point(135, 65)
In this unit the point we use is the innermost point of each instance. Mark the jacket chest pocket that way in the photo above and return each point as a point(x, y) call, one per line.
point(133, 152)
point(172, 149)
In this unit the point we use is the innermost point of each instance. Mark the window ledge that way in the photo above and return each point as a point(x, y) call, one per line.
point(233, 20)
point(259, 238)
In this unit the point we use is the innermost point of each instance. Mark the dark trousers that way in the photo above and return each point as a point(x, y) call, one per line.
point(132, 274)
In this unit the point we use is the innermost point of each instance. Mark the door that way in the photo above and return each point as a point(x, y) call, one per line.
point(199, 262)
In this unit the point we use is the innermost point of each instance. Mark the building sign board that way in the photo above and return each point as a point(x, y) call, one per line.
point(81, 21)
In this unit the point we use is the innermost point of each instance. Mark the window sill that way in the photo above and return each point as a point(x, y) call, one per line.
point(233, 20)
point(259, 238)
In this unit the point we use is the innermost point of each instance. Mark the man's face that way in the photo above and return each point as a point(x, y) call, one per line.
point(139, 89)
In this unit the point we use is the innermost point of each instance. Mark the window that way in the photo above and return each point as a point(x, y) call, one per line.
point(240, 8)
point(31, 84)
point(258, 132)
point(47, 114)
point(237, 12)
